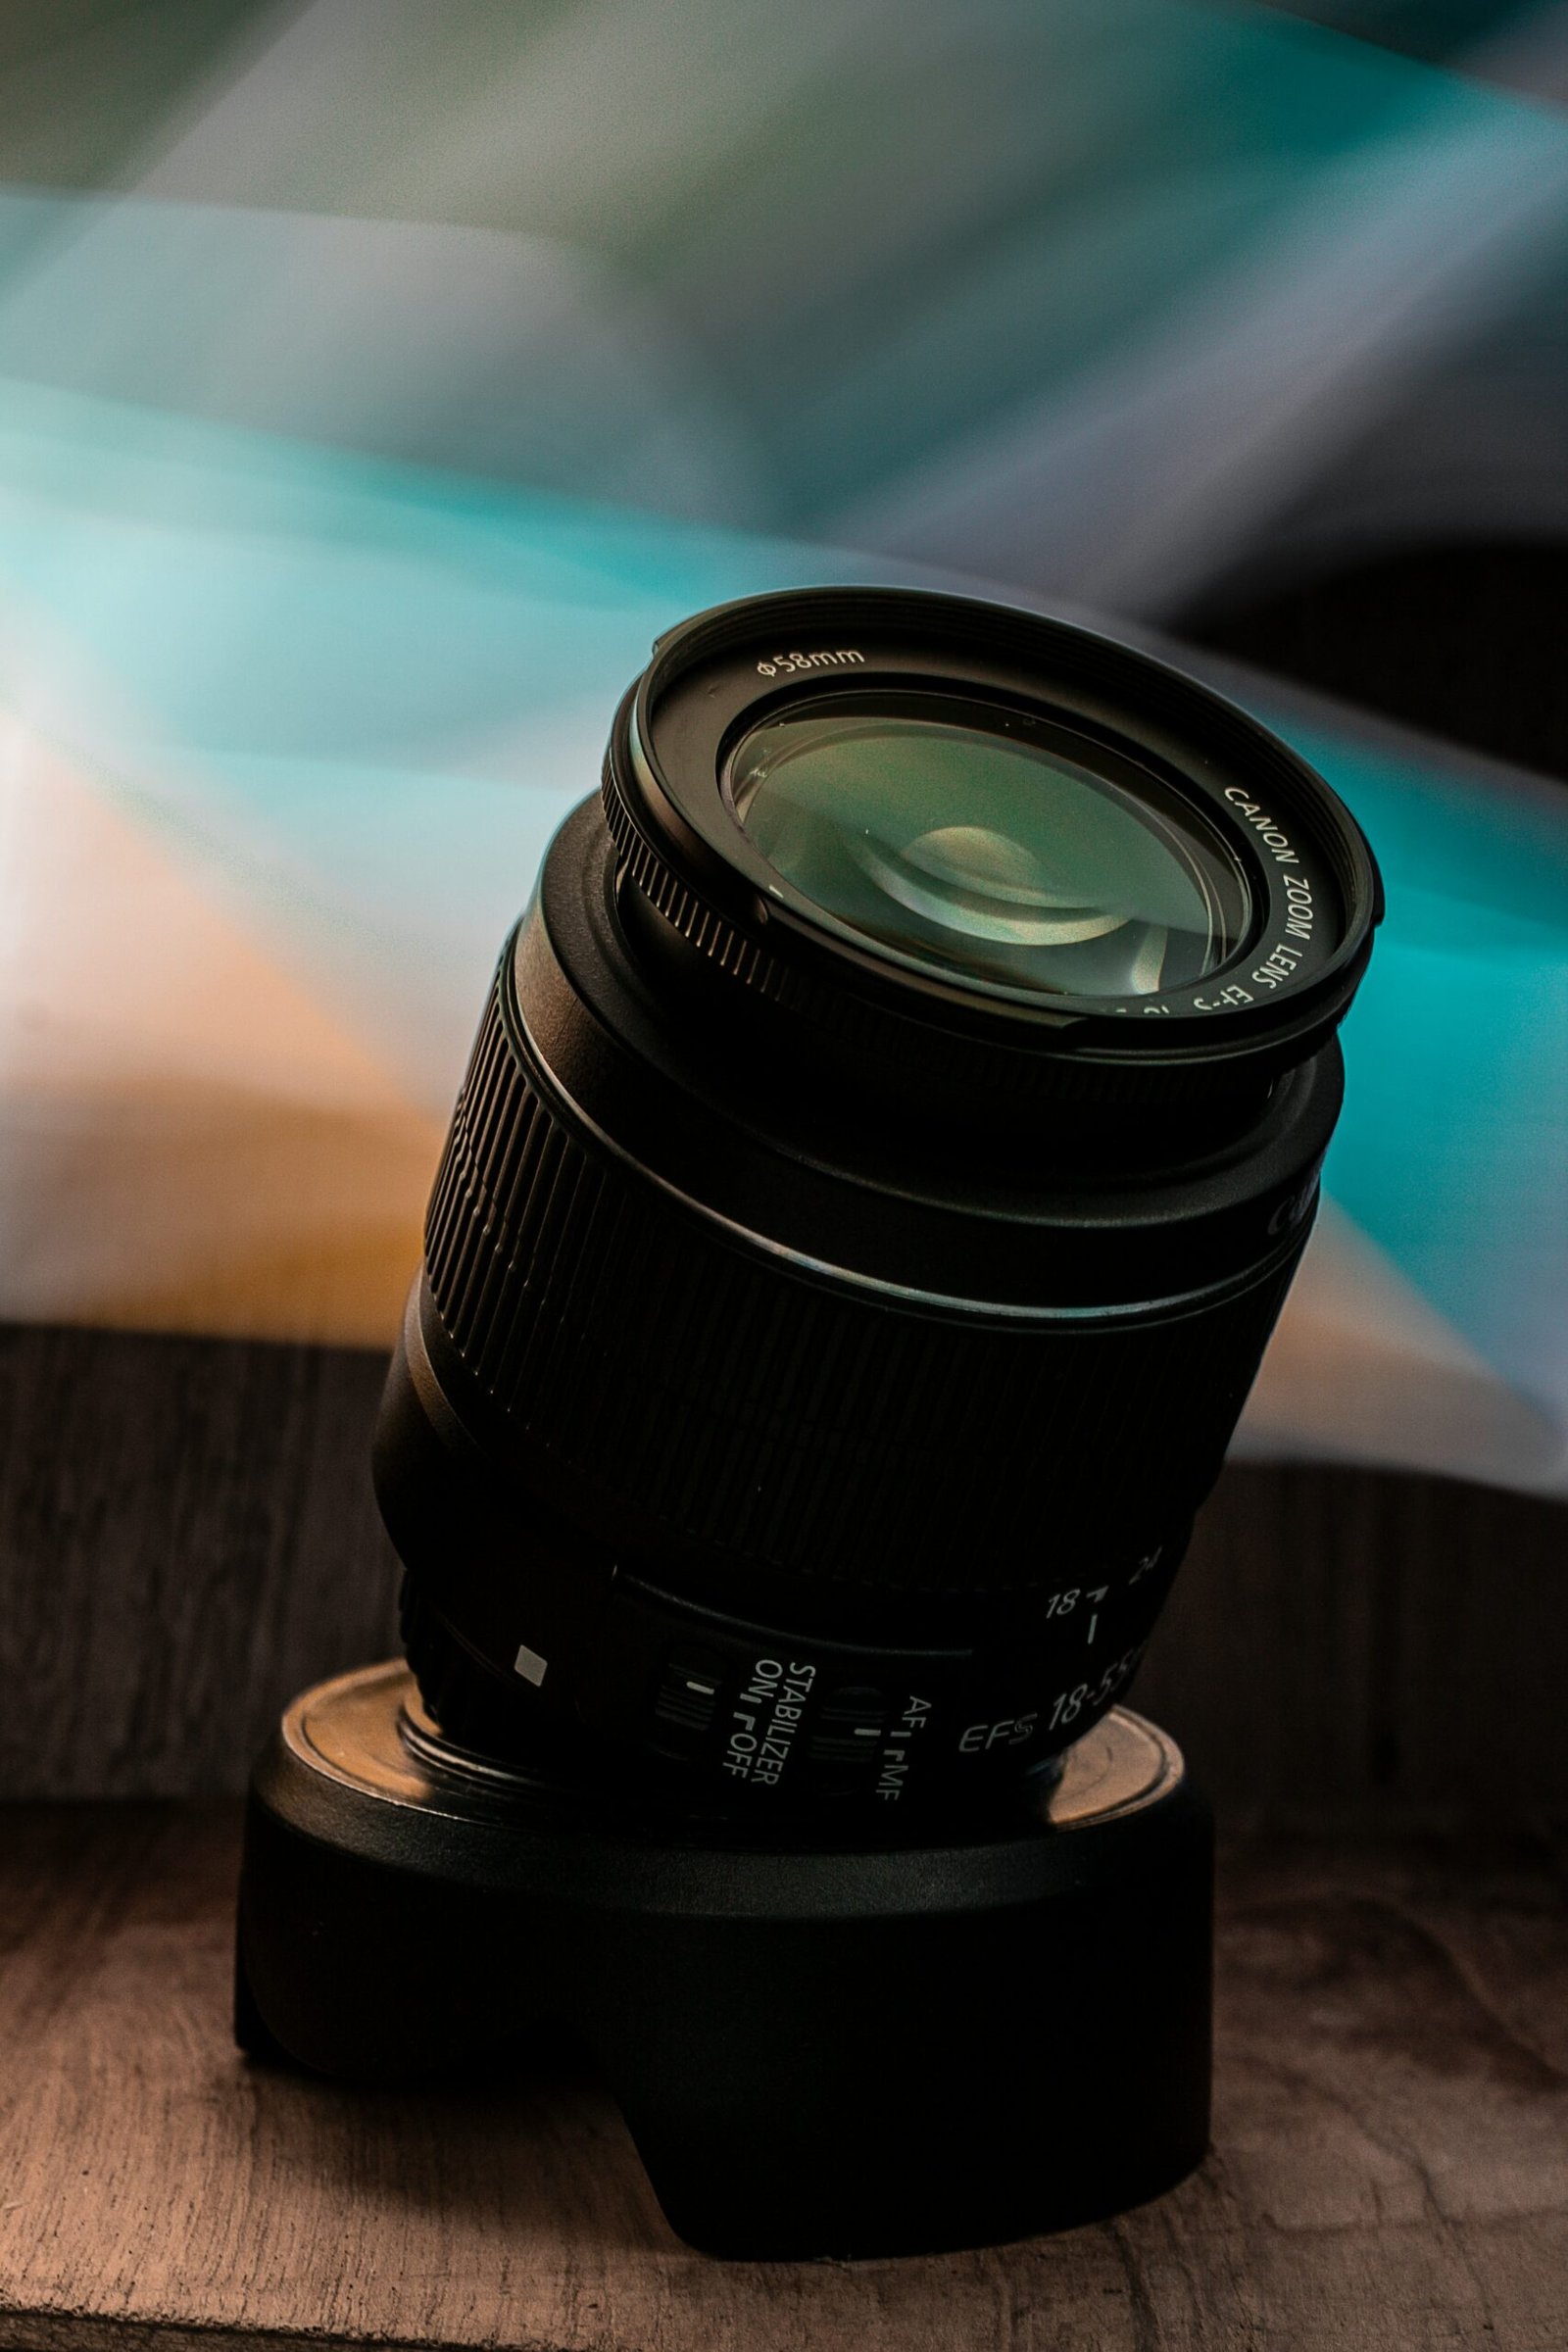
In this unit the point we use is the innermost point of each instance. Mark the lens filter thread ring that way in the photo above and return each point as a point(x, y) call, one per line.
point(684, 855)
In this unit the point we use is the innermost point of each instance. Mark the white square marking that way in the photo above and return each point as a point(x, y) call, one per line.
point(529, 1664)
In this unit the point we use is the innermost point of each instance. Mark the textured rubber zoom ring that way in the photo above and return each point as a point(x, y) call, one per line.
point(733, 1401)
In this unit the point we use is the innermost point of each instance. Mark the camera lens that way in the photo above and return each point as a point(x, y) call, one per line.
point(984, 842)
point(885, 1151)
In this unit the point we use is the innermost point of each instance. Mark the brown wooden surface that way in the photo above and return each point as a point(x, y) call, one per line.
point(1390, 2163)
point(187, 1535)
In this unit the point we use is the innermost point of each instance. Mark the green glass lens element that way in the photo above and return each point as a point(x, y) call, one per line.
point(966, 837)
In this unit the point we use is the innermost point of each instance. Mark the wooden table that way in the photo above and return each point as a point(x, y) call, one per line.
point(1390, 2168)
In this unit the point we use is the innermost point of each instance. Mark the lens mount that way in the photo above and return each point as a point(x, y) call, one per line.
point(1246, 813)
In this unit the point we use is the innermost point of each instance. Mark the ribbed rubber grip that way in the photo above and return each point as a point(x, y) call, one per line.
point(733, 1400)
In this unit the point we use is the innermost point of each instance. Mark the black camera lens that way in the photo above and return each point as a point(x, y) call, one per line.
point(886, 1149)
point(985, 844)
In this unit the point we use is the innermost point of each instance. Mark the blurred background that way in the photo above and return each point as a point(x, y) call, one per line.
point(378, 376)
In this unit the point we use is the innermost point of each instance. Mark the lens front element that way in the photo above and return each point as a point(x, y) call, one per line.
point(968, 838)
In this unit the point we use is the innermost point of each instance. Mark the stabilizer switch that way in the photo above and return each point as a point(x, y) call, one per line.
point(688, 1693)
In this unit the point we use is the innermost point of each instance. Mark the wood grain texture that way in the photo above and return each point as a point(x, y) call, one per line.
point(187, 1536)
point(1345, 1636)
point(1390, 2168)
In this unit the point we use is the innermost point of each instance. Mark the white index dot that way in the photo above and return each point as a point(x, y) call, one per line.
point(529, 1664)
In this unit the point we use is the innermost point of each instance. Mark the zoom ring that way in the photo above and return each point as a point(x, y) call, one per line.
point(731, 1402)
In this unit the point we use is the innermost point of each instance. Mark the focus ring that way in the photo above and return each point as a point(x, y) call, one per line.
point(730, 1402)
point(705, 930)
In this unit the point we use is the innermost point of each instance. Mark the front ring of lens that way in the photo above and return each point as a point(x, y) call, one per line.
point(1096, 874)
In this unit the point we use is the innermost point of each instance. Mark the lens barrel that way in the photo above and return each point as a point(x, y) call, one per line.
point(835, 1306)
